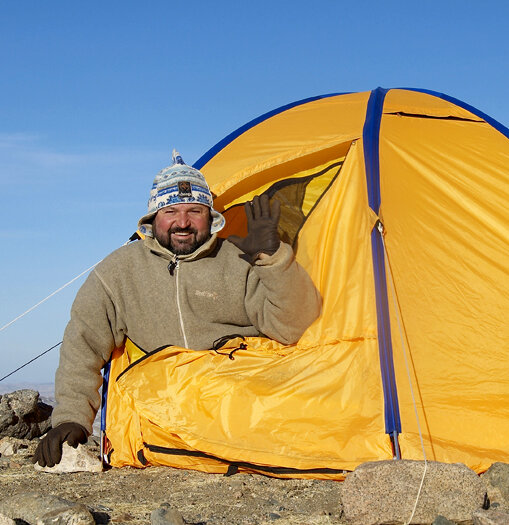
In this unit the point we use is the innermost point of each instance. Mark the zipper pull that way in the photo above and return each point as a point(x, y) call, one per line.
point(173, 266)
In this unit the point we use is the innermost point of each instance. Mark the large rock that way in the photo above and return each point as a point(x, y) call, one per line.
point(386, 491)
point(497, 482)
point(79, 459)
point(23, 415)
point(39, 509)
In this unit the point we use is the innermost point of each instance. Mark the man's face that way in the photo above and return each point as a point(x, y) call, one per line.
point(182, 228)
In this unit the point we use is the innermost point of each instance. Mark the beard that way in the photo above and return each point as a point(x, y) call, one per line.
point(181, 246)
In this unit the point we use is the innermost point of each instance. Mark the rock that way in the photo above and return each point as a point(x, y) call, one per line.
point(23, 415)
point(441, 520)
point(9, 446)
point(39, 509)
point(497, 482)
point(386, 491)
point(165, 515)
point(79, 459)
point(4, 520)
point(497, 516)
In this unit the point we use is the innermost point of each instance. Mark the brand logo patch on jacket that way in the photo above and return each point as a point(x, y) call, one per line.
point(207, 294)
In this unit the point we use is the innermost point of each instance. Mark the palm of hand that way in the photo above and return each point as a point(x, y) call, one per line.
point(262, 224)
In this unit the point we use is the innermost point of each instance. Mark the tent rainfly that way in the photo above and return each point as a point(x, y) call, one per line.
point(396, 203)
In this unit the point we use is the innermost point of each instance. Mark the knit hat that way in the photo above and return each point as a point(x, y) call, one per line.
point(179, 184)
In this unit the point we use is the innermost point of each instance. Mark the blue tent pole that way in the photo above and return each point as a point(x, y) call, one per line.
point(371, 134)
point(104, 403)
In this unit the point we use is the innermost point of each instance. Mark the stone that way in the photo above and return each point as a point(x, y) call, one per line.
point(165, 515)
point(497, 516)
point(4, 520)
point(386, 491)
point(441, 520)
point(23, 415)
point(40, 509)
point(79, 459)
point(10, 446)
point(497, 483)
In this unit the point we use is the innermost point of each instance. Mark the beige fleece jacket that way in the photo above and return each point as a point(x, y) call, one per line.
point(211, 293)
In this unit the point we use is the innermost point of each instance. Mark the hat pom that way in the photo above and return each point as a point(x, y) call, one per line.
point(176, 157)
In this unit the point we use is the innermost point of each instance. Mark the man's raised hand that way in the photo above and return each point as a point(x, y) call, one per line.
point(262, 223)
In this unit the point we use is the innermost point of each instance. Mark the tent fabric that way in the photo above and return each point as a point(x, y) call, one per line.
point(431, 248)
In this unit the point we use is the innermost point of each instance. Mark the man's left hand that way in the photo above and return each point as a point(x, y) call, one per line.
point(262, 222)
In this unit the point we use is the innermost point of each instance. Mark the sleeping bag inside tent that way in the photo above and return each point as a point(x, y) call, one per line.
point(396, 203)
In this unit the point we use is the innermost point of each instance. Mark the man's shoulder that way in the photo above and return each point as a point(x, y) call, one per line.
point(122, 257)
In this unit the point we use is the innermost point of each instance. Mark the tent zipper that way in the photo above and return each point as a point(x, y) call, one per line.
point(242, 464)
point(173, 269)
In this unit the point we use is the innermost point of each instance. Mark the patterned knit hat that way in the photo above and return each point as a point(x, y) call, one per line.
point(179, 184)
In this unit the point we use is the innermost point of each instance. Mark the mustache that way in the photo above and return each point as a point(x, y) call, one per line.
point(182, 230)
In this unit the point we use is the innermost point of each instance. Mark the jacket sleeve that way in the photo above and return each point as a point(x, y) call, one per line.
point(281, 299)
point(94, 330)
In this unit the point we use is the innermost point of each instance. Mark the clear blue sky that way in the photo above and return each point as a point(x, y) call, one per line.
point(93, 96)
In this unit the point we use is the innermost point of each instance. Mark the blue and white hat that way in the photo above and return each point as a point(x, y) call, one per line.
point(179, 184)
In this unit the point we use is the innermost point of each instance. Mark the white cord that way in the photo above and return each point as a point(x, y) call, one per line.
point(49, 296)
point(56, 291)
point(403, 345)
point(418, 493)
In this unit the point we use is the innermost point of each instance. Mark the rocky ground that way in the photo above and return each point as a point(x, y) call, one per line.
point(375, 493)
point(130, 495)
point(384, 492)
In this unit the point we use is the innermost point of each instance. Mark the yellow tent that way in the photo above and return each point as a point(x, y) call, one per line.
point(396, 203)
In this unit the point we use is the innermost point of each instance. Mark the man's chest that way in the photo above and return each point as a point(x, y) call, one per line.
point(195, 296)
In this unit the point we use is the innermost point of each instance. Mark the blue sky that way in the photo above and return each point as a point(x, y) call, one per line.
point(93, 97)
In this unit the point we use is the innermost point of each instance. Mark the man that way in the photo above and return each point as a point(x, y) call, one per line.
point(181, 286)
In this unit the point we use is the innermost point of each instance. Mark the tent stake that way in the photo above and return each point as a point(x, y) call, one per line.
point(396, 452)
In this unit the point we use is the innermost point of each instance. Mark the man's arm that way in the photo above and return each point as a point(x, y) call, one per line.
point(281, 300)
point(89, 339)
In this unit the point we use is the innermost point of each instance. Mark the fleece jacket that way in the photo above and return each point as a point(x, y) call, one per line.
point(144, 292)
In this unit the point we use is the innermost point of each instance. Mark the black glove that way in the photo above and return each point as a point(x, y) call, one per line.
point(262, 221)
point(49, 450)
